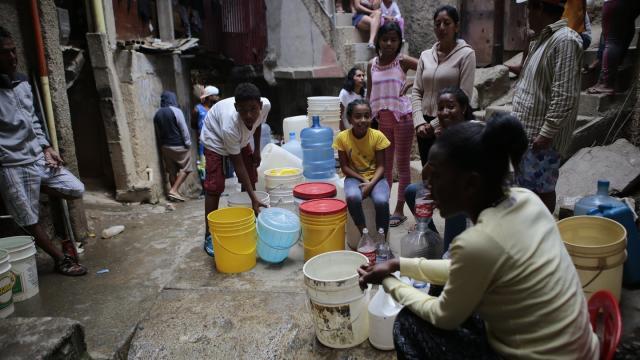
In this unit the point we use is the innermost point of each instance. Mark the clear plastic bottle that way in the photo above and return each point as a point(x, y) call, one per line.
point(422, 242)
point(293, 146)
point(367, 246)
point(383, 251)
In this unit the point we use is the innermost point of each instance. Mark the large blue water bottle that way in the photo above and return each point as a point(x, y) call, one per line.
point(317, 154)
point(601, 204)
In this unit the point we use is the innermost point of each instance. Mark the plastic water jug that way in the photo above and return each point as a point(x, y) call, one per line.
point(293, 146)
point(588, 203)
point(265, 137)
point(382, 313)
point(601, 204)
point(317, 160)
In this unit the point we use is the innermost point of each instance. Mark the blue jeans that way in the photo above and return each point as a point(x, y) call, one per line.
point(379, 195)
point(453, 226)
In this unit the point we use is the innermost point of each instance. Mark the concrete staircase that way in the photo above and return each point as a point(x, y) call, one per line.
point(354, 43)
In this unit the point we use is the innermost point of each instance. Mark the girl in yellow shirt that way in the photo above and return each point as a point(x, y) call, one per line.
point(361, 153)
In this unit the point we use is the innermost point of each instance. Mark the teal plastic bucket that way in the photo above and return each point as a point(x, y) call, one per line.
point(278, 230)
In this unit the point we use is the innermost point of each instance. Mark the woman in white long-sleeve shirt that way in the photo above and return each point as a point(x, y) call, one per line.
point(511, 290)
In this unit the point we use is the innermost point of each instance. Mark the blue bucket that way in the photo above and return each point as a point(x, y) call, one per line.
point(278, 230)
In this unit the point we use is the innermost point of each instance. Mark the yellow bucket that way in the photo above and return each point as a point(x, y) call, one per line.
point(231, 216)
point(226, 231)
point(323, 220)
point(597, 247)
point(317, 240)
point(283, 172)
point(235, 253)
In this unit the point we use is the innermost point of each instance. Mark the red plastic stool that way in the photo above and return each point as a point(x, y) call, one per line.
point(606, 322)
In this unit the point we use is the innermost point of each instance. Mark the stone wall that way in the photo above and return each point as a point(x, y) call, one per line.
point(418, 19)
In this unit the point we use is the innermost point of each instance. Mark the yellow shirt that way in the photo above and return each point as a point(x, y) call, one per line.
point(513, 270)
point(361, 152)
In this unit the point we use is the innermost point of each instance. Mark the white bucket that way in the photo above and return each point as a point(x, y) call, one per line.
point(275, 180)
point(22, 255)
point(242, 199)
point(597, 247)
point(282, 199)
point(273, 156)
point(338, 305)
point(7, 279)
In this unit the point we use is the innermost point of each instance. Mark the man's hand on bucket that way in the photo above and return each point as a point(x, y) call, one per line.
point(374, 274)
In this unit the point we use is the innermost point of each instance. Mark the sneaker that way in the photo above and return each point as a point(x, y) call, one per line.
point(208, 245)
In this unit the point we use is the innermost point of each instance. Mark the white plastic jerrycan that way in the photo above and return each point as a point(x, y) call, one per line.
point(382, 313)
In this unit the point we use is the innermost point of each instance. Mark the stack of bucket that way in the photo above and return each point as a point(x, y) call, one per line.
point(18, 272)
point(233, 231)
point(279, 183)
point(323, 226)
point(278, 230)
point(311, 191)
point(327, 108)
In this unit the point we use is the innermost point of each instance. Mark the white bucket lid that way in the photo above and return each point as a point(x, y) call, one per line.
point(4, 257)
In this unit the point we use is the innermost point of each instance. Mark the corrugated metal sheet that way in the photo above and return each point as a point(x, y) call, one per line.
point(244, 30)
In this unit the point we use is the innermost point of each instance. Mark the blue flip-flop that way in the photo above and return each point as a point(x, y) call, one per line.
point(400, 219)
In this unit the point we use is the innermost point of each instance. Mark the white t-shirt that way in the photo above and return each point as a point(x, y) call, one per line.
point(393, 10)
point(345, 98)
point(223, 132)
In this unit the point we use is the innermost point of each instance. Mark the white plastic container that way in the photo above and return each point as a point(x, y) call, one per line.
point(273, 156)
point(22, 255)
point(242, 199)
point(7, 279)
point(337, 304)
point(294, 124)
point(382, 314)
point(327, 108)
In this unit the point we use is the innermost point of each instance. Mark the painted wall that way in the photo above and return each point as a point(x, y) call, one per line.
point(293, 36)
point(142, 79)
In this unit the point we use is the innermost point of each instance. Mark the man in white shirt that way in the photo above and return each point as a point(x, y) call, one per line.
point(227, 129)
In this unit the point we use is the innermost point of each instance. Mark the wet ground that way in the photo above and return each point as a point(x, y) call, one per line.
point(163, 299)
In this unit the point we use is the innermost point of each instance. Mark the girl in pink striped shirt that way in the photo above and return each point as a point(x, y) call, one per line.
point(386, 87)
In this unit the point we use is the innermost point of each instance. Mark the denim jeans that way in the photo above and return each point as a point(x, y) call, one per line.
point(379, 195)
point(453, 226)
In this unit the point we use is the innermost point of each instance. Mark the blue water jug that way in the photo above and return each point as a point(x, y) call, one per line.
point(588, 203)
point(604, 205)
point(317, 154)
point(293, 146)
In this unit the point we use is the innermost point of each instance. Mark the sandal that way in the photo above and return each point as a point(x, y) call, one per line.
point(68, 266)
point(176, 197)
point(399, 220)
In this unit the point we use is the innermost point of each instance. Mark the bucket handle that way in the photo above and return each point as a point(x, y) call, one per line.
point(322, 243)
point(278, 247)
point(365, 309)
point(233, 252)
point(602, 266)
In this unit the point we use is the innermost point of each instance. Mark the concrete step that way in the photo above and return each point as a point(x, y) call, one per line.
point(492, 109)
point(343, 19)
point(42, 338)
point(310, 72)
point(590, 130)
point(362, 53)
point(595, 104)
